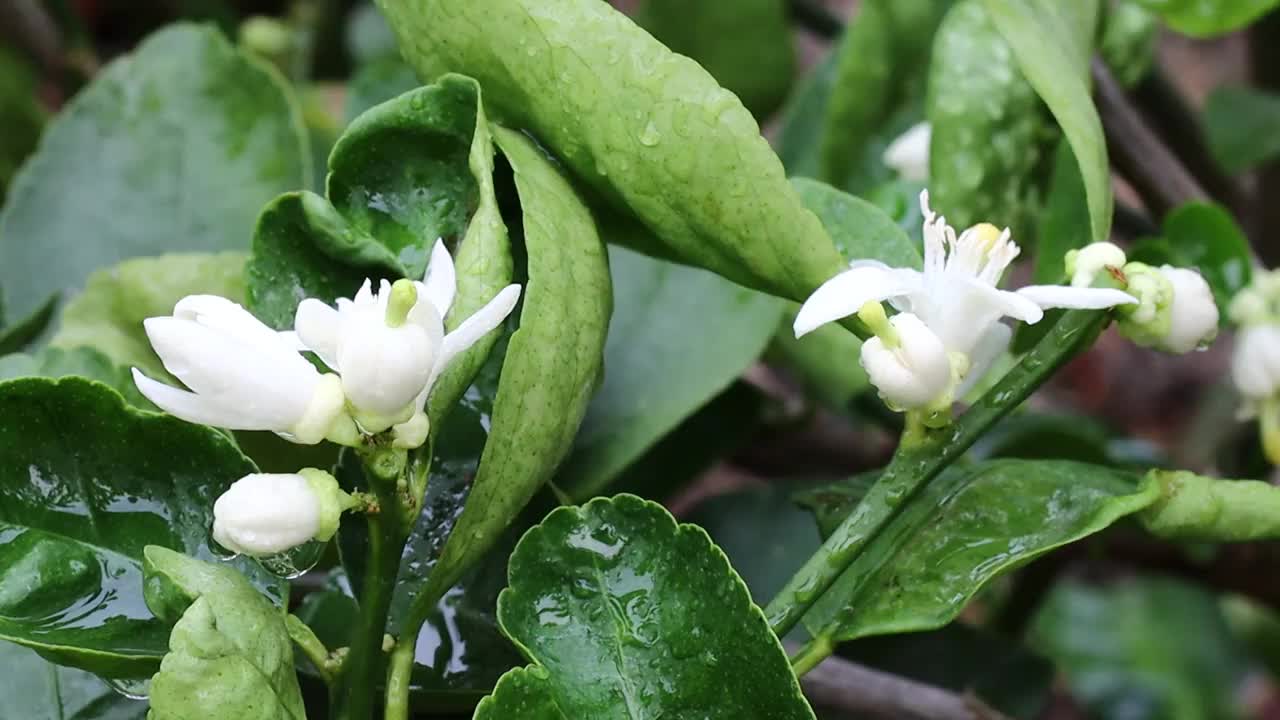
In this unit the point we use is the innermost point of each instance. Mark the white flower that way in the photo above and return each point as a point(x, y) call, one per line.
point(955, 298)
point(1194, 314)
point(242, 374)
point(915, 371)
point(1255, 365)
point(390, 347)
point(908, 154)
point(265, 514)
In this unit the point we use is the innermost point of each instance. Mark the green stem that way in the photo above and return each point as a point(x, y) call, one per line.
point(362, 671)
point(814, 652)
point(919, 461)
point(310, 646)
point(401, 670)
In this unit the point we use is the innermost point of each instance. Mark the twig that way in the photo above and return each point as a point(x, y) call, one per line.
point(815, 18)
point(27, 24)
point(840, 686)
point(1137, 152)
point(1265, 212)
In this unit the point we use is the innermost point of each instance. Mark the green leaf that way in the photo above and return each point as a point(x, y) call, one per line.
point(173, 148)
point(1060, 229)
point(85, 483)
point(988, 125)
point(627, 614)
point(698, 333)
point(230, 655)
point(378, 81)
point(1207, 18)
point(85, 362)
point(107, 316)
point(553, 361)
point(1053, 56)
point(34, 688)
point(646, 128)
point(1243, 127)
point(20, 115)
point(1143, 649)
point(859, 229)
point(965, 528)
point(745, 45)
point(1205, 236)
point(1128, 41)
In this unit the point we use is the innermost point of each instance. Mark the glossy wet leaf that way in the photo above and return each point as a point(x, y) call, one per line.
point(965, 528)
point(624, 613)
point(85, 483)
point(1205, 237)
point(34, 689)
point(1207, 18)
point(622, 112)
point(107, 315)
point(230, 654)
point(1053, 55)
point(859, 229)
point(552, 363)
point(698, 333)
point(988, 124)
point(1117, 647)
point(85, 362)
point(1243, 127)
point(173, 148)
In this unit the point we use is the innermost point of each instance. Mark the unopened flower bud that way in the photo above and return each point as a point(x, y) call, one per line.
point(1176, 311)
point(911, 368)
point(1083, 265)
point(265, 514)
point(908, 154)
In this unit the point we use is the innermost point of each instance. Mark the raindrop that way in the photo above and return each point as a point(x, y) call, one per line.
point(296, 562)
point(651, 135)
point(132, 688)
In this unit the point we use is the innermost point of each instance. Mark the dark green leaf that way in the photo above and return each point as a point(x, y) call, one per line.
point(85, 362)
point(376, 82)
point(1206, 237)
point(1061, 227)
point(1243, 127)
point(1053, 55)
point(107, 316)
point(967, 527)
point(1128, 41)
point(988, 125)
point(648, 129)
point(20, 115)
point(174, 148)
point(85, 483)
point(860, 230)
point(627, 614)
point(1143, 649)
point(553, 361)
point(698, 333)
point(230, 655)
point(1206, 18)
point(745, 45)
point(35, 689)
point(799, 139)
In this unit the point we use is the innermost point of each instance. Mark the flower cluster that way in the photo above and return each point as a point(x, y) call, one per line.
point(949, 330)
point(1255, 365)
point(384, 351)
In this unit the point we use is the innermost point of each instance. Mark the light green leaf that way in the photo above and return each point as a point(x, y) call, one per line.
point(553, 361)
point(85, 483)
point(107, 316)
point(1194, 507)
point(625, 115)
point(627, 614)
point(988, 125)
point(968, 526)
point(745, 45)
point(1128, 41)
point(1207, 18)
point(86, 362)
point(1243, 127)
point(36, 689)
point(678, 337)
point(860, 230)
point(1049, 53)
point(173, 148)
point(1143, 649)
point(230, 655)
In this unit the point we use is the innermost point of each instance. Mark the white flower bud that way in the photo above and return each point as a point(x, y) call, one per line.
point(1083, 265)
point(908, 154)
point(1193, 315)
point(914, 374)
point(1255, 364)
point(265, 514)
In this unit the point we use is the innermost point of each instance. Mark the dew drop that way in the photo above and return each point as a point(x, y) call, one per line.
point(651, 135)
point(132, 688)
point(296, 562)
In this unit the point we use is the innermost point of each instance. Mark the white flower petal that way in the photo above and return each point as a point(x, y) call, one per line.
point(192, 407)
point(384, 368)
point(364, 294)
point(227, 318)
point(846, 293)
point(265, 514)
point(908, 154)
point(1194, 313)
point(475, 327)
point(317, 325)
point(989, 348)
point(913, 375)
point(441, 282)
point(1075, 298)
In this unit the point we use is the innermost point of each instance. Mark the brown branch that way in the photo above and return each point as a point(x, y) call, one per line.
point(1137, 152)
point(855, 691)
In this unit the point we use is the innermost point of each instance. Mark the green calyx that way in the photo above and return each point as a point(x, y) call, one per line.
point(332, 499)
point(1259, 303)
point(1148, 322)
